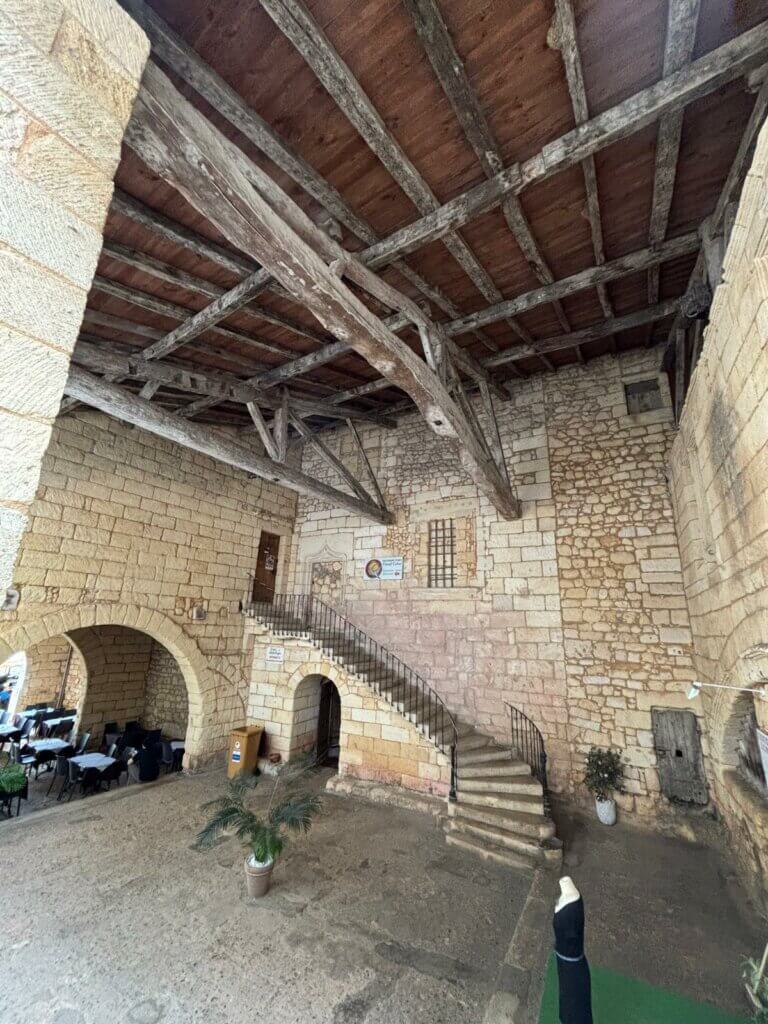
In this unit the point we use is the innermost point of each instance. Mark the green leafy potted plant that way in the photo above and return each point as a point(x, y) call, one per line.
point(263, 834)
point(13, 779)
point(603, 778)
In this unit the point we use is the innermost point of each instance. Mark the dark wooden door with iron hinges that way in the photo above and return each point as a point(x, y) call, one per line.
point(678, 755)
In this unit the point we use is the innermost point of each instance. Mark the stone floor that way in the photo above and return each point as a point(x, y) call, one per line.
point(664, 910)
point(109, 914)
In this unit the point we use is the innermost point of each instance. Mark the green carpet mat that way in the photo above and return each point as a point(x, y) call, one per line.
point(620, 1000)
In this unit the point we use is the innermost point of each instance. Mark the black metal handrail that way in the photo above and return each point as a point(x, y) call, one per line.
point(528, 744)
point(305, 615)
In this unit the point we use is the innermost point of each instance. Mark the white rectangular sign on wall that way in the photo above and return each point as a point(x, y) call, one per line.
point(388, 567)
point(276, 655)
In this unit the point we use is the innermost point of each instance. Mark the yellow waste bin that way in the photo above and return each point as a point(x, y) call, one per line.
point(244, 750)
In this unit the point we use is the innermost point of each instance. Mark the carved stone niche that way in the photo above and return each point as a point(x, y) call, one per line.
point(323, 566)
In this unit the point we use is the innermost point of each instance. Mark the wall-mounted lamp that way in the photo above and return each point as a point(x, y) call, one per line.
point(696, 688)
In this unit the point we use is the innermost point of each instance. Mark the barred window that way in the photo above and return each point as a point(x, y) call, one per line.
point(441, 553)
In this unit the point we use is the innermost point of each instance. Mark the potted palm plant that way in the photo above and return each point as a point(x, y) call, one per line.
point(603, 778)
point(263, 835)
point(13, 782)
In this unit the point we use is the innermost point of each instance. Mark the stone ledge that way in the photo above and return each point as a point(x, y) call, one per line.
point(392, 796)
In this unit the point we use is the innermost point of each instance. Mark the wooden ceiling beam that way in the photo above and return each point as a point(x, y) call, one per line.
point(644, 108)
point(682, 19)
point(564, 38)
point(178, 143)
point(121, 404)
point(103, 357)
point(603, 329)
point(200, 286)
point(188, 65)
point(590, 278)
point(296, 23)
point(451, 73)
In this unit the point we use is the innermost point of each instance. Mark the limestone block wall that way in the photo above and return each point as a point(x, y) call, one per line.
point(129, 530)
point(117, 662)
point(69, 72)
point(718, 470)
point(376, 742)
point(46, 665)
point(166, 705)
point(575, 613)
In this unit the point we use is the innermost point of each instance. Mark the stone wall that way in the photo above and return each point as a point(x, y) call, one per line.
point(166, 705)
point(376, 742)
point(130, 530)
point(46, 665)
point(117, 662)
point(574, 613)
point(69, 73)
point(719, 474)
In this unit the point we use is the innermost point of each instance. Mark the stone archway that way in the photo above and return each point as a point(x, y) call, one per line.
point(198, 676)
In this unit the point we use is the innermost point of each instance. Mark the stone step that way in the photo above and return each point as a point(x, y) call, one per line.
point(473, 742)
point(496, 854)
point(488, 835)
point(510, 784)
point(523, 802)
point(536, 826)
point(483, 755)
point(500, 769)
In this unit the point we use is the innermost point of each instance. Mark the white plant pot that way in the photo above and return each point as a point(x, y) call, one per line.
point(606, 811)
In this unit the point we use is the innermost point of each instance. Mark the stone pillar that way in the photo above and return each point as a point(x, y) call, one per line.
point(69, 73)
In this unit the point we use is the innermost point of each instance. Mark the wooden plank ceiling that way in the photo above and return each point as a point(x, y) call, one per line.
point(433, 97)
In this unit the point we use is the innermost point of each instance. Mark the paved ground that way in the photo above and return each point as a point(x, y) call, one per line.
point(662, 910)
point(109, 914)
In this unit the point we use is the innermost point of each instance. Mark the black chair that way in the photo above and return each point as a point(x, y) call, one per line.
point(113, 772)
point(44, 759)
point(26, 728)
point(74, 772)
point(90, 781)
point(82, 743)
point(61, 771)
point(26, 759)
point(166, 756)
point(4, 716)
point(110, 751)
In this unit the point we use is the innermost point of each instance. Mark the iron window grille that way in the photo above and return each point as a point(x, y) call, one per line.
point(441, 554)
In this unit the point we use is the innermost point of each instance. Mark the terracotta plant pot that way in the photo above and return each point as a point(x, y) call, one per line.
point(257, 877)
point(606, 811)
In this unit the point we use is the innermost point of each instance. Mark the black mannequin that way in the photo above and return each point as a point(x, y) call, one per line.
point(572, 967)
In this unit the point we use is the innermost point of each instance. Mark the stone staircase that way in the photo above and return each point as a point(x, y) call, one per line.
point(499, 811)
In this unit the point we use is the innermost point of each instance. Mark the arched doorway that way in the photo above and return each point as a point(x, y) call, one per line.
point(203, 734)
point(317, 720)
point(50, 673)
point(329, 725)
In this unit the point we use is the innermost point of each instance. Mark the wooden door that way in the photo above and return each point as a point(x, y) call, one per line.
point(328, 725)
point(266, 567)
point(678, 755)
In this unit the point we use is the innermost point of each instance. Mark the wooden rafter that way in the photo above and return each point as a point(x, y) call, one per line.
point(564, 38)
point(692, 82)
point(117, 402)
point(187, 64)
point(611, 271)
point(293, 19)
point(452, 75)
point(178, 143)
point(331, 459)
point(103, 357)
point(682, 19)
point(603, 329)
